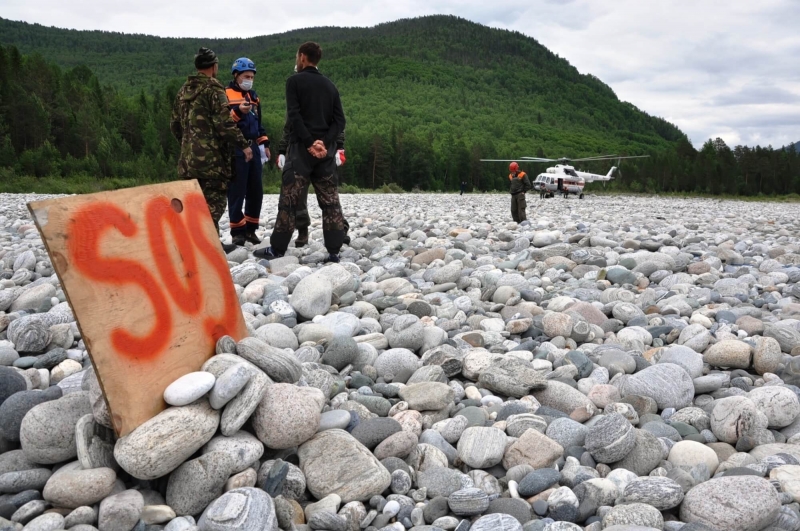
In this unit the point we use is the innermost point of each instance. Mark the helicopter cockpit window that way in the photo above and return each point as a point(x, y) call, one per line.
point(570, 171)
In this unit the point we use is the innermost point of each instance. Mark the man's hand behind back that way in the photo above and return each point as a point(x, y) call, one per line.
point(318, 150)
point(248, 154)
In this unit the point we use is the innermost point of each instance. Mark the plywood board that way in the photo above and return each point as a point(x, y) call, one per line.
point(145, 274)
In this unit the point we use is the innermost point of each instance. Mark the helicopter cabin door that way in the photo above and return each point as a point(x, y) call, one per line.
point(560, 185)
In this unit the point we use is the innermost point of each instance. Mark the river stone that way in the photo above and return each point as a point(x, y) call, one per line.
point(534, 449)
point(94, 443)
point(229, 384)
point(242, 406)
point(767, 355)
point(440, 481)
point(243, 447)
point(14, 409)
point(735, 503)
point(372, 432)
point(634, 514)
point(312, 296)
point(565, 432)
point(468, 502)
point(73, 487)
point(196, 483)
point(399, 444)
point(335, 463)
point(340, 352)
point(277, 335)
point(496, 522)
point(427, 396)
point(659, 492)
point(188, 388)
point(120, 512)
point(779, 404)
point(47, 432)
point(668, 384)
point(562, 397)
point(610, 439)
point(684, 357)
point(396, 360)
point(279, 366)
point(512, 377)
point(734, 417)
point(691, 453)
point(645, 456)
point(288, 415)
point(481, 447)
point(164, 442)
point(245, 509)
point(22, 480)
point(538, 481)
point(728, 353)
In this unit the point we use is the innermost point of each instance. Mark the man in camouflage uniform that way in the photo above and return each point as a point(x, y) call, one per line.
point(202, 123)
point(302, 219)
point(314, 110)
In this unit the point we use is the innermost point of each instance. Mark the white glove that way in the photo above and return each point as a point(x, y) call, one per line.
point(264, 157)
point(339, 157)
point(281, 161)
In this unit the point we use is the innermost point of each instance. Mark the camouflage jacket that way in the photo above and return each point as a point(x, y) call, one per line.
point(202, 123)
point(287, 133)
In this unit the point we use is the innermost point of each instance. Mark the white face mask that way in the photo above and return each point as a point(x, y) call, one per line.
point(295, 68)
point(246, 84)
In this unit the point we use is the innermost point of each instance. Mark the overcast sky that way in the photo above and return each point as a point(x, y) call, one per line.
point(727, 68)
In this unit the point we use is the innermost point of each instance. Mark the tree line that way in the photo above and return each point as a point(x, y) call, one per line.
point(64, 123)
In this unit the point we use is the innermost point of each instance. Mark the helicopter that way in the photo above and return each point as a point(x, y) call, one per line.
point(563, 178)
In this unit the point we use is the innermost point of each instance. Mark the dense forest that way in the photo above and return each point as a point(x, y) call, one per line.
point(425, 100)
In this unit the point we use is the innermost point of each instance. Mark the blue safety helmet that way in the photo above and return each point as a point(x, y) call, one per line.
point(243, 64)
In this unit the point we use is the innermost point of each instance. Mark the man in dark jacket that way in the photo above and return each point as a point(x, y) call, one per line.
point(201, 122)
point(314, 110)
point(246, 190)
point(302, 219)
point(519, 185)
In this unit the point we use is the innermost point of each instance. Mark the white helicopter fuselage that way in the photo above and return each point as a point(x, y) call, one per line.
point(565, 180)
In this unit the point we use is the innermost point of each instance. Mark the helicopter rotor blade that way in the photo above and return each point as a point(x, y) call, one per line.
point(593, 158)
point(505, 160)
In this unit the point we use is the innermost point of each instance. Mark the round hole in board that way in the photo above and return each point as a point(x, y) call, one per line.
point(177, 205)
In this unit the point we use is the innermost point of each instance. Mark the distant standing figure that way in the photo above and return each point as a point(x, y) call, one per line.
point(246, 190)
point(463, 187)
point(202, 123)
point(519, 185)
point(314, 110)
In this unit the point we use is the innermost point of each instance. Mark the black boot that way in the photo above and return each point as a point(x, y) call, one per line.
point(228, 247)
point(267, 252)
point(302, 238)
point(238, 239)
point(252, 238)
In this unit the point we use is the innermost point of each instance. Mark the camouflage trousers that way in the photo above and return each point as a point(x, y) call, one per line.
point(518, 207)
point(216, 193)
point(303, 219)
point(300, 171)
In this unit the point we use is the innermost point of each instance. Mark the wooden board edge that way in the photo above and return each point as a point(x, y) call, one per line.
point(86, 342)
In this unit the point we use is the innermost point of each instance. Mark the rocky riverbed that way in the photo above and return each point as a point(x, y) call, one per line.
point(617, 363)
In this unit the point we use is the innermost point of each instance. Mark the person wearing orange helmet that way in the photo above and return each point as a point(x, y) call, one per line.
point(519, 185)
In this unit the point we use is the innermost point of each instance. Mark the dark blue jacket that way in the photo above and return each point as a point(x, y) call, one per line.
point(250, 123)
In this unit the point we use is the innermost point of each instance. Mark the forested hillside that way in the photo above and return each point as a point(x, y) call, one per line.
point(425, 99)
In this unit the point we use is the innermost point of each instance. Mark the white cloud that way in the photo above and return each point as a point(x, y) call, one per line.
point(725, 69)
